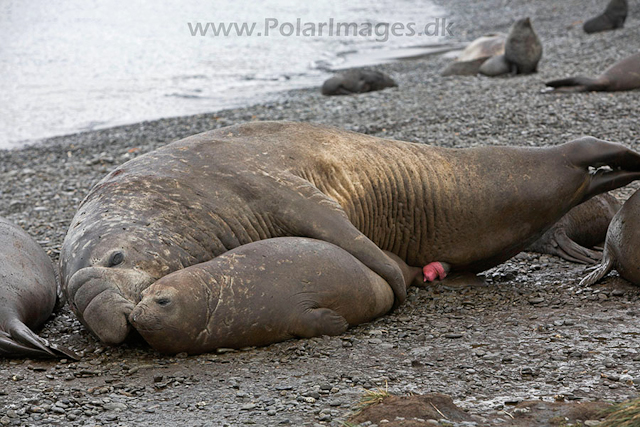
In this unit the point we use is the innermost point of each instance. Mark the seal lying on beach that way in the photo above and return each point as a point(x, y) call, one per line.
point(582, 228)
point(202, 196)
point(258, 294)
point(612, 18)
point(28, 293)
point(473, 56)
point(522, 52)
point(622, 247)
point(357, 81)
point(623, 75)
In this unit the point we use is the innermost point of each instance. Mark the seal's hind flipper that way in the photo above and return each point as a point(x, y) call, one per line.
point(320, 321)
point(571, 251)
point(22, 341)
point(575, 84)
point(601, 270)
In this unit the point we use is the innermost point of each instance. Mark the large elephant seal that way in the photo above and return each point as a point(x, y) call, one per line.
point(197, 198)
point(28, 293)
point(522, 52)
point(357, 81)
point(623, 75)
point(258, 294)
point(612, 18)
point(621, 249)
point(475, 54)
point(583, 227)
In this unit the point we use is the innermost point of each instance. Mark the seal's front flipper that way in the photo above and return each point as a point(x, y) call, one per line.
point(311, 213)
point(315, 322)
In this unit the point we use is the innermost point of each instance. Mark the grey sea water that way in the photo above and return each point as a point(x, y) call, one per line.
point(74, 65)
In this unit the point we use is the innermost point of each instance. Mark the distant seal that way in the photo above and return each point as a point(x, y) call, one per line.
point(612, 18)
point(28, 292)
point(202, 196)
point(260, 293)
point(623, 75)
point(357, 81)
point(475, 54)
point(582, 228)
point(496, 66)
point(522, 52)
point(621, 249)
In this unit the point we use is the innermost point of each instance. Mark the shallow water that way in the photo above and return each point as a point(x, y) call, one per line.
point(86, 64)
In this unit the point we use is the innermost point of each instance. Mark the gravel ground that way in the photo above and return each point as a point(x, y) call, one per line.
point(529, 333)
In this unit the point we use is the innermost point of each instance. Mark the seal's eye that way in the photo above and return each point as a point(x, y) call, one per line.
point(116, 258)
point(163, 301)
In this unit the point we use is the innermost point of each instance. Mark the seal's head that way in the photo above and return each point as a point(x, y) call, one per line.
point(104, 286)
point(172, 314)
point(117, 246)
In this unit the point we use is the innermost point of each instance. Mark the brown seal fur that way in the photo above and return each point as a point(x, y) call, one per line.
point(522, 52)
point(612, 18)
point(28, 293)
point(583, 227)
point(258, 294)
point(621, 249)
point(197, 198)
point(623, 75)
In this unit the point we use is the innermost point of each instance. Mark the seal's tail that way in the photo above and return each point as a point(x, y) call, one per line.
point(21, 341)
point(574, 84)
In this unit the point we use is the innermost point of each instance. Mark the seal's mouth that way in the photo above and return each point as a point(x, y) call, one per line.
point(143, 319)
point(103, 298)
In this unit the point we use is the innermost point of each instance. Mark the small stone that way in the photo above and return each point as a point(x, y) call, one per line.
point(453, 335)
point(114, 406)
point(536, 300)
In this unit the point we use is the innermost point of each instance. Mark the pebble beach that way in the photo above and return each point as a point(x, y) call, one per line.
point(529, 333)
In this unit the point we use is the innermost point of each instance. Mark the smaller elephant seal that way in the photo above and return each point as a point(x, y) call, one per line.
point(582, 228)
point(475, 54)
point(260, 293)
point(621, 249)
point(522, 52)
point(357, 81)
point(28, 294)
point(623, 75)
point(612, 18)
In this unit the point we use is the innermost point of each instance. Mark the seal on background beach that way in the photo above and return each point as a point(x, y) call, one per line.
point(357, 81)
point(28, 293)
point(473, 56)
point(583, 227)
point(612, 18)
point(260, 293)
point(522, 52)
point(202, 196)
point(622, 247)
point(623, 75)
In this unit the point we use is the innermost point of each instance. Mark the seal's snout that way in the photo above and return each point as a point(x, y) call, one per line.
point(103, 299)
